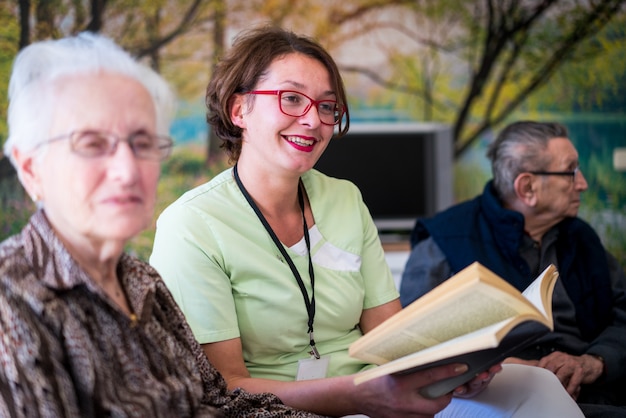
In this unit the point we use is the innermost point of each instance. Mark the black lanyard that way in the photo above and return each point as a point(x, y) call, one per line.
point(310, 304)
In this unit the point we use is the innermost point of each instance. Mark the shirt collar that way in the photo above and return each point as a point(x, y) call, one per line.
point(58, 270)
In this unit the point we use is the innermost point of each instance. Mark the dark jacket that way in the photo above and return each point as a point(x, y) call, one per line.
point(484, 231)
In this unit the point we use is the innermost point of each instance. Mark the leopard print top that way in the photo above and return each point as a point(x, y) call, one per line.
point(66, 350)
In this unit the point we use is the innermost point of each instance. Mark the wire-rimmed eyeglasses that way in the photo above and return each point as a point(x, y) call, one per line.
point(93, 144)
point(296, 104)
point(571, 173)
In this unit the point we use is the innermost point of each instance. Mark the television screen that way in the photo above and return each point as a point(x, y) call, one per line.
point(404, 171)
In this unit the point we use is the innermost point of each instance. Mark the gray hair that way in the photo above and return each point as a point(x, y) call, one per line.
point(519, 148)
point(41, 63)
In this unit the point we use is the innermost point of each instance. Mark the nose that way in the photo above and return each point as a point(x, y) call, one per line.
point(123, 165)
point(311, 117)
point(580, 182)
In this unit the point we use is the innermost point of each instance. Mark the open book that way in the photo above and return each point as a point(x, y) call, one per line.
point(474, 317)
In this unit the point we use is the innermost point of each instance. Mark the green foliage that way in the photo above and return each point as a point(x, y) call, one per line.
point(469, 181)
point(604, 203)
point(595, 81)
point(609, 188)
point(9, 39)
point(610, 227)
point(428, 55)
point(15, 207)
point(471, 64)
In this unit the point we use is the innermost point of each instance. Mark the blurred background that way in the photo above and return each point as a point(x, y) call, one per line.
point(471, 65)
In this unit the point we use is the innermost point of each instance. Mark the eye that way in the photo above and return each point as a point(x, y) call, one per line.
point(328, 107)
point(292, 99)
point(91, 143)
point(142, 141)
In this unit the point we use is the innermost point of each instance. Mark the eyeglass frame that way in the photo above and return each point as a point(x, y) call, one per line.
point(278, 93)
point(164, 146)
point(557, 173)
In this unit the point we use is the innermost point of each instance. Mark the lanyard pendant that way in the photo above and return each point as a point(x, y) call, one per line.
point(313, 351)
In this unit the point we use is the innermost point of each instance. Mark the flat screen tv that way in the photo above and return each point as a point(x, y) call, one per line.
point(404, 170)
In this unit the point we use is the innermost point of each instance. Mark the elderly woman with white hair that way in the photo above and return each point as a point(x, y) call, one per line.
point(85, 329)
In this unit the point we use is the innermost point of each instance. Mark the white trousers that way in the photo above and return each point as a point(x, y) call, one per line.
point(518, 391)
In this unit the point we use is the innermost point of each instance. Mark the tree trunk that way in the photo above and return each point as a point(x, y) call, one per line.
point(214, 152)
point(24, 23)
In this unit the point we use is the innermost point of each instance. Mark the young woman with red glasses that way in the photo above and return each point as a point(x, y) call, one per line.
point(279, 267)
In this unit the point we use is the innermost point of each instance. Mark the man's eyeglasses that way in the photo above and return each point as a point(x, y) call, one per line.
point(93, 144)
point(572, 173)
point(296, 104)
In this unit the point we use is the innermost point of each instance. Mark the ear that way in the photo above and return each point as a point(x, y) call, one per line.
point(525, 189)
point(28, 173)
point(237, 107)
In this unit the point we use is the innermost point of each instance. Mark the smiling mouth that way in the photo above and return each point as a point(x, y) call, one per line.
point(300, 141)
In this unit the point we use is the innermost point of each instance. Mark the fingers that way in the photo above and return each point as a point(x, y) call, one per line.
point(426, 377)
point(575, 380)
point(567, 368)
point(495, 369)
point(593, 368)
point(478, 384)
point(471, 389)
point(516, 360)
point(399, 395)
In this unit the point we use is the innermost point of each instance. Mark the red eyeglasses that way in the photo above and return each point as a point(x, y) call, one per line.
point(296, 104)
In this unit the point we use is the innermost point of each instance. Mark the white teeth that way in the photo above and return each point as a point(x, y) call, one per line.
point(300, 141)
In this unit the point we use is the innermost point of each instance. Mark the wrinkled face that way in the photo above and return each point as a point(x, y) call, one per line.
point(274, 140)
point(558, 196)
point(93, 200)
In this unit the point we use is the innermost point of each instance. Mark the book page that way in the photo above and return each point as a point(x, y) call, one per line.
point(473, 341)
point(479, 350)
point(539, 292)
point(481, 307)
point(448, 293)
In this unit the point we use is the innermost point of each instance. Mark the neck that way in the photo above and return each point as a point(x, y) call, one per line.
point(275, 196)
point(535, 224)
point(99, 259)
point(537, 227)
point(277, 200)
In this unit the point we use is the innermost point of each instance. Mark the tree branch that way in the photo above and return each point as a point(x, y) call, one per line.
point(390, 85)
point(589, 25)
point(185, 22)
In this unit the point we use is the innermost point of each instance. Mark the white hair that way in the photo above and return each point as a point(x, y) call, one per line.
point(40, 63)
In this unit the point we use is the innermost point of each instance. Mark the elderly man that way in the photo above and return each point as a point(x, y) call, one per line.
point(525, 219)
